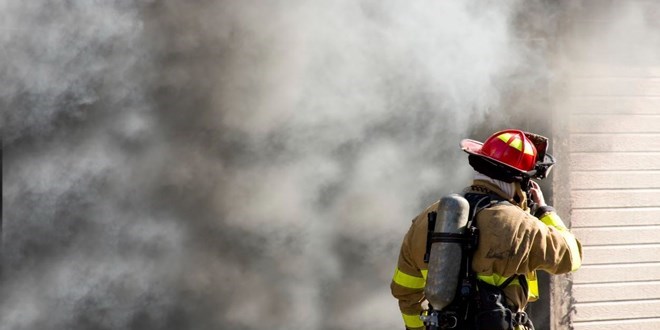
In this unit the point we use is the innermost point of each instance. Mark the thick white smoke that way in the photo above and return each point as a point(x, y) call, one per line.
point(234, 164)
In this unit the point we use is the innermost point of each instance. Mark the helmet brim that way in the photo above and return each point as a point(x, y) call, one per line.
point(473, 147)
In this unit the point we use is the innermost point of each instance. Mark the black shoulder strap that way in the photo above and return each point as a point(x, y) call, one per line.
point(431, 216)
point(508, 281)
point(480, 201)
point(522, 280)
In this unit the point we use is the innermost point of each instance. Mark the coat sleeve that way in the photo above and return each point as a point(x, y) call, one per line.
point(556, 249)
point(515, 242)
point(408, 282)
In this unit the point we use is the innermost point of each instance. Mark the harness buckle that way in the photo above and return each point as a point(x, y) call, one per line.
point(520, 318)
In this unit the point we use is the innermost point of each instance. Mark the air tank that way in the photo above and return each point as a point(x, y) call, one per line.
point(445, 258)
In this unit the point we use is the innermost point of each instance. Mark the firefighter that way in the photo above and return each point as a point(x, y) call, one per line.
point(519, 232)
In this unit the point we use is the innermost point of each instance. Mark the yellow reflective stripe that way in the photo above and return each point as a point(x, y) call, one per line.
point(573, 247)
point(425, 273)
point(516, 143)
point(532, 283)
point(408, 281)
point(412, 321)
point(552, 219)
point(529, 149)
point(505, 137)
point(495, 279)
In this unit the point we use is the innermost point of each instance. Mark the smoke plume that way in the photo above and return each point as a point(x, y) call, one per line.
point(236, 164)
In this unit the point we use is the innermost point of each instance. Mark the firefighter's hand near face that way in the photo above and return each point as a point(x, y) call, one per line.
point(542, 209)
point(536, 194)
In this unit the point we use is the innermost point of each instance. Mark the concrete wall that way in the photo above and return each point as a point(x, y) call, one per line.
point(609, 135)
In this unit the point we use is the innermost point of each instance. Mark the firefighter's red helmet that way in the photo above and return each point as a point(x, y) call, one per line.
point(509, 147)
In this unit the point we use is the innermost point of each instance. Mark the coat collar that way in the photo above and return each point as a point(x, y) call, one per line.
point(479, 186)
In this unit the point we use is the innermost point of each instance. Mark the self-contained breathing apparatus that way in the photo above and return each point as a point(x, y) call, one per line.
point(457, 299)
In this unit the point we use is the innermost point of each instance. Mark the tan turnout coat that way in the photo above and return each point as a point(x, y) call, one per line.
point(511, 241)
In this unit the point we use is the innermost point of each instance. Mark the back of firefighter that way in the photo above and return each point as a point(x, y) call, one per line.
point(514, 238)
